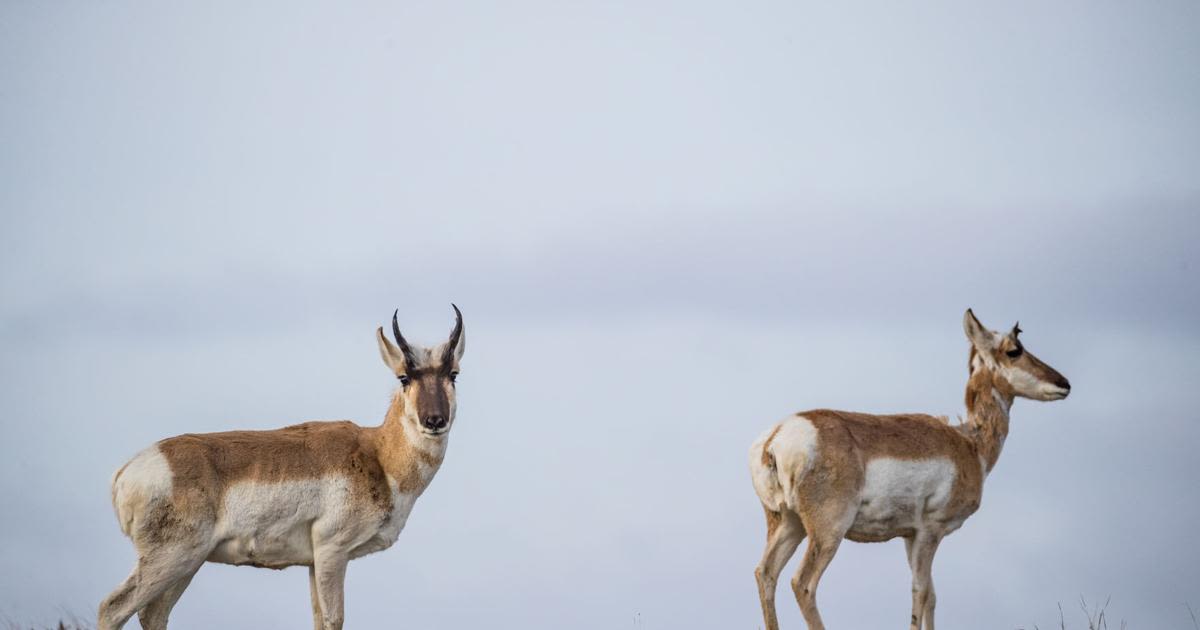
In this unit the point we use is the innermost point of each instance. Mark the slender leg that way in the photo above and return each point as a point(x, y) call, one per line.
point(930, 595)
point(920, 559)
point(330, 570)
point(784, 533)
point(318, 618)
point(917, 609)
point(154, 615)
point(156, 571)
point(820, 551)
point(111, 616)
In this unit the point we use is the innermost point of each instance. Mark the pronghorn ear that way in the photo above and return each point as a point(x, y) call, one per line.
point(392, 357)
point(979, 336)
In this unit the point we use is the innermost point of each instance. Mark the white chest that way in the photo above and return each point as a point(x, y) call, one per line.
point(386, 534)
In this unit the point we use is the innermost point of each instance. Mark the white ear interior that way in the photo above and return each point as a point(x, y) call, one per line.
point(392, 357)
point(978, 335)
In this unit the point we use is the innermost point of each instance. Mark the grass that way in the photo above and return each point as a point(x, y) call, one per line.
point(71, 622)
point(1097, 617)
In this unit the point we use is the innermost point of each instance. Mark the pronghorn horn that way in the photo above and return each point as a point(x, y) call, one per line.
point(1016, 329)
point(455, 337)
point(409, 358)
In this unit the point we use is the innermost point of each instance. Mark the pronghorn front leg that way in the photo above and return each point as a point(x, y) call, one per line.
point(318, 617)
point(329, 569)
point(921, 549)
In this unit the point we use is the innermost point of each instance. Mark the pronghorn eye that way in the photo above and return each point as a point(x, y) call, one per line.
point(453, 376)
point(1015, 352)
point(404, 380)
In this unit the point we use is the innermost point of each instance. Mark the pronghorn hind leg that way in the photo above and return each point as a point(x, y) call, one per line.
point(816, 559)
point(784, 533)
point(110, 617)
point(154, 615)
point(822, 546)
point(156, 571)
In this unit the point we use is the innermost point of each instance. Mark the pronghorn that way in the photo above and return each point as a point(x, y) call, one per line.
point(317, 494)
point(830, 475)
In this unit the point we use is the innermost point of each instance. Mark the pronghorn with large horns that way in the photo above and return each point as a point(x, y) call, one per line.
point(828, 475)
point(317, 494)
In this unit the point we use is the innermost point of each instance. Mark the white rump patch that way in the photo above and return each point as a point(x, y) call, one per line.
point(148, 471)
point(147, 476)
point(792, 451)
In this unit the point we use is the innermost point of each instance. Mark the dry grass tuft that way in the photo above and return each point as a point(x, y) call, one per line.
point(1098, 618)
point(67, 622)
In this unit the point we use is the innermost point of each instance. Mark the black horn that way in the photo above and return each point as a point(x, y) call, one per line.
point(455, 337)
point(409, 358)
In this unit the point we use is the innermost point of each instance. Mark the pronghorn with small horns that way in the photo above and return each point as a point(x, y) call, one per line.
point(828, 475)
point(317, 494)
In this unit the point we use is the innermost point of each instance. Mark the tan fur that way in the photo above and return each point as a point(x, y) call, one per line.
point(828, 493)
point(986, 427)
point(399, 457)
point(849, 441)
point(177, 531)
point(204, 466)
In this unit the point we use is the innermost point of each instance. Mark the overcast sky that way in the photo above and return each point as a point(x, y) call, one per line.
point(668, 224)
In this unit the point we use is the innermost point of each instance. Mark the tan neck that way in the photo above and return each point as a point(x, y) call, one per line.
point(988, 402)
point(409, 458)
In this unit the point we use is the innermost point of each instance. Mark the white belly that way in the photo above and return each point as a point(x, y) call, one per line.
point(270, 524)
point(900, 497)
point(277, 525)
point(277, 549)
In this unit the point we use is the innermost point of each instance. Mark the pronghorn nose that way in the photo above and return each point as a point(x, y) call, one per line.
point(1063, 383)
point(433, 422)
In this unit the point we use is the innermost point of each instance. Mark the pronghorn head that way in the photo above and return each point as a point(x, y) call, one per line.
point(426, 376)
point(1006, 357)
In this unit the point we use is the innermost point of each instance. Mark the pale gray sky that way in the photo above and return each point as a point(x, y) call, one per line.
point(667, 224)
